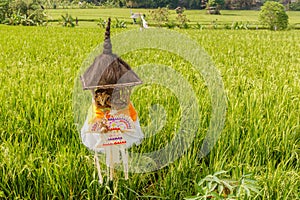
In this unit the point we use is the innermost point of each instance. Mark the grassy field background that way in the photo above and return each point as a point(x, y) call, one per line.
point(41, 155)
point(195, 16)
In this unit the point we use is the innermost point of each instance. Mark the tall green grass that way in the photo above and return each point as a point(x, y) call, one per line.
point(41, 156)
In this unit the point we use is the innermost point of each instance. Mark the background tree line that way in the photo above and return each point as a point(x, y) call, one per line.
point(193, 4)
point(172, 4)
point(31, 12)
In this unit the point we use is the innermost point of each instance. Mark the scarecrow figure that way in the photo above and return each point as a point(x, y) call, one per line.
point(135, 16)
point(144, 22)
point(112, 123)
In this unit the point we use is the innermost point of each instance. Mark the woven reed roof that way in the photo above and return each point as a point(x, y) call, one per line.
point(108, 70)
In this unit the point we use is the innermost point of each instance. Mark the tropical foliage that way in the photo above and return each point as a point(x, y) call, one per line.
point(172, 4)
point(274, 16)
point(21, 12)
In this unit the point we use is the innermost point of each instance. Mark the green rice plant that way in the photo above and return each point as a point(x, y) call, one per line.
point(67, 20)
point(239, 25)
point(199, 26)
point(182, 21)
point(170, 24)
point(119, 24)
point(102, 23)
point(41, 155)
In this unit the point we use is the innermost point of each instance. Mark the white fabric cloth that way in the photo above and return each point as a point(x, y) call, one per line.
point(145, 24)
point(93, 140)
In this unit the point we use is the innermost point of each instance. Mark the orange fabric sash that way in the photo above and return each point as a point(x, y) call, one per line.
point(129, 111)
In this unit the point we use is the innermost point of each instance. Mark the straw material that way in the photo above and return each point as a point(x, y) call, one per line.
point(108, 70)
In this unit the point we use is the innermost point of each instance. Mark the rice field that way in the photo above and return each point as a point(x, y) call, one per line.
point(41, 155)
point(90, 17)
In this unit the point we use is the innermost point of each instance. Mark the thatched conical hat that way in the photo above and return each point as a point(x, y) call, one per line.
point(108, 70)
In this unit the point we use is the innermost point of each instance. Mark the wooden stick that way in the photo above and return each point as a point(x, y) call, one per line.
point(111, 164)
point(98, 168)
point(125, 161)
